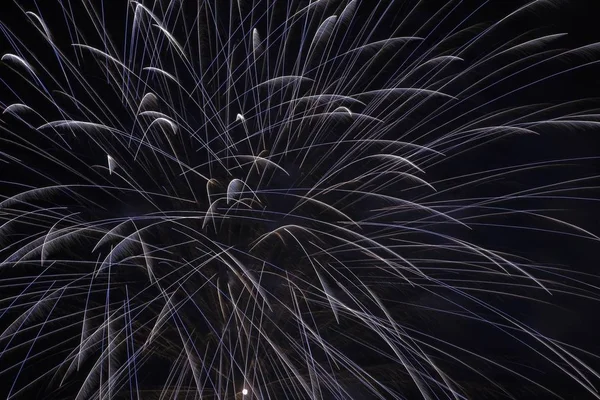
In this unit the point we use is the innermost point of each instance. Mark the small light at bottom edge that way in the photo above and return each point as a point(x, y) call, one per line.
point(244, 391)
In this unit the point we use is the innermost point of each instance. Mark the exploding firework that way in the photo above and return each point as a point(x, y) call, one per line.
point(302, 200)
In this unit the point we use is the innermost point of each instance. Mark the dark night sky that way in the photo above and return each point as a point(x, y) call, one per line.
point(564, 318)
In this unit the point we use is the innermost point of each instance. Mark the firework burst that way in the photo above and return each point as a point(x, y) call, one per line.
point(300, 200)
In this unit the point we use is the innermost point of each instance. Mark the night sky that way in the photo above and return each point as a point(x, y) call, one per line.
point(567, 154)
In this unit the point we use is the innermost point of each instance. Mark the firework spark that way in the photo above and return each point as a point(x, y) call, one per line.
point(268, 200)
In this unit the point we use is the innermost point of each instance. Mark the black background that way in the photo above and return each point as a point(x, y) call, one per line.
point(565, 318)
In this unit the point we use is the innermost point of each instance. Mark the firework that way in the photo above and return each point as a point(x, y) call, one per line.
point(302, 200)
